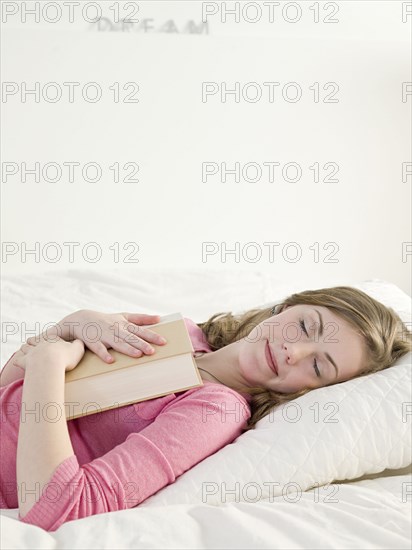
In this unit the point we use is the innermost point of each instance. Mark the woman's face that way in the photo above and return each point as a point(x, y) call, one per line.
point(302, 360)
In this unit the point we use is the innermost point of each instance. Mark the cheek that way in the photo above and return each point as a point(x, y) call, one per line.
point(272, 331)
point(255, 335)
point(249, 357)
point(247, 352)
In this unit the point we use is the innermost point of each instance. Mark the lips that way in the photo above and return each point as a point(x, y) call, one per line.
point(270, 359)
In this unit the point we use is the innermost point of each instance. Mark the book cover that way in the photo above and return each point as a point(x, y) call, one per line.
point(94, 386)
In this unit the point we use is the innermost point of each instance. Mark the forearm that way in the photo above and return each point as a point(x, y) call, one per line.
point(64, 329)
point(43, 440)
point(10, 372)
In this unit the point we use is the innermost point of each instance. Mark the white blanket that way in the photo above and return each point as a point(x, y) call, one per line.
point(370, 513)
point(366, 514)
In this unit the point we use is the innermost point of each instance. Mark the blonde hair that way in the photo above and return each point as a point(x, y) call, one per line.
point(386, 336)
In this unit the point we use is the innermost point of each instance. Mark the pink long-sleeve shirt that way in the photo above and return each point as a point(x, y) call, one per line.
point(123, 456)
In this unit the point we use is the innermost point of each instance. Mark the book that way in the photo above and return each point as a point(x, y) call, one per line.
point(95, 386)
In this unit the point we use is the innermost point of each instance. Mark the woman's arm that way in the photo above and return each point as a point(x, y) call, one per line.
point(43, 439)
point(121, 331)
point(10, 372)
point(43, 443)
point(183, 433)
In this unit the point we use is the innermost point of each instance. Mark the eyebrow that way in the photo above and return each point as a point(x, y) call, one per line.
point(328, 357)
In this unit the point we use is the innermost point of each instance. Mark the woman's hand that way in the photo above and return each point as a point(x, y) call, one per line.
point(55, 351)
point(120, 331)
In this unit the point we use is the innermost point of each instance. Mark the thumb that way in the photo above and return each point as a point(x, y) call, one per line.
point(78, 349)
point(77, 343)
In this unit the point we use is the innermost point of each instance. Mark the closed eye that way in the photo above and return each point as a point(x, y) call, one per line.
point(315, 365)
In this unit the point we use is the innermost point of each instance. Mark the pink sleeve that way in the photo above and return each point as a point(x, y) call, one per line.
point(184, 433)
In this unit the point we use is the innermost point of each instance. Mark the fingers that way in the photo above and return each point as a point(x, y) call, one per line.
point(34, 340)
point(133, 341)
point(142, 318)
point(127, 349)
point(101, 351)
point(80, 349)
point(20, 362)
point(78, 343)
point(25, 348)
point(146, 334)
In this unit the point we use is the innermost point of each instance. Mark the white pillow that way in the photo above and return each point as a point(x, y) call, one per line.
point(362, 426)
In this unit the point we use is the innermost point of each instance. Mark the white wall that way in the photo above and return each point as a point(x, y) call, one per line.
point(170, 212)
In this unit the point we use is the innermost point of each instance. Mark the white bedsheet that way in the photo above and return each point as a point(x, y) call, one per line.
point(371, 513)
point(367, 514)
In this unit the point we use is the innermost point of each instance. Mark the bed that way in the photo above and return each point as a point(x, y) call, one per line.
point(342, 485)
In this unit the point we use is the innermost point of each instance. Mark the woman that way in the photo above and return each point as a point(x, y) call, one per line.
point(249, 364)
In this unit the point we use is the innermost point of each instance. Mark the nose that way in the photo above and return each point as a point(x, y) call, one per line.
point(296, 351)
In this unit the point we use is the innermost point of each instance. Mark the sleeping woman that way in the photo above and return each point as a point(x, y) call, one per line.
point(55, 471)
